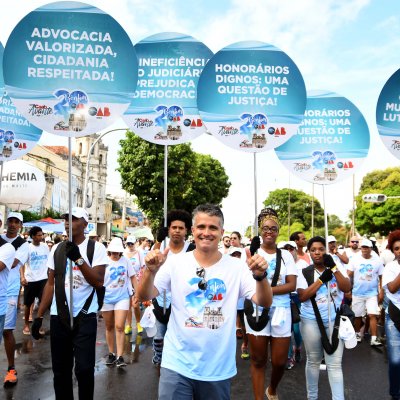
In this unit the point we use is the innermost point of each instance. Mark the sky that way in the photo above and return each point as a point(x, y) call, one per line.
point(350, 47)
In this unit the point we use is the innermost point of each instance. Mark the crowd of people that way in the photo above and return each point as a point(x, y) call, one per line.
point(283, 300)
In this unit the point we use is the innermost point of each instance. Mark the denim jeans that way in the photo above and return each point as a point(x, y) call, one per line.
point(393, 351)
point(315, 352)
point(158, 342)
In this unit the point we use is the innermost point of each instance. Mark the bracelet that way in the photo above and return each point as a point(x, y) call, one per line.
point(260, 278)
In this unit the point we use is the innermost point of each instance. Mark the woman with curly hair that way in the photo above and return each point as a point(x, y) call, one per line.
point(271, 327)
point(391, 285)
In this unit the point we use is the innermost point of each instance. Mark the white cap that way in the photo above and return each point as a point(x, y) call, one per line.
point(291, 243)
point(130, 239)
point(281, 245)
point(234, 250)
point(65, 233)
point(93, 233)
point(347, 333)
point(331, 238)
point(17, 215)
point(115, 246)
point(366, 243)
point(77, 212)
point(372, 239)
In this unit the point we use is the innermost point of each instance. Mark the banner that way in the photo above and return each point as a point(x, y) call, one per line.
point(70, 68)
point(164, 108)
point(388, 114)
point(331, 142)
point(17, 135)
point(251, 96)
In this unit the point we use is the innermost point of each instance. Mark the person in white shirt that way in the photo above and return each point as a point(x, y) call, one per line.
point(118, 279)
point(339, 258)
point(200, 344)
point(354, 247)
point(367, 292)
point(7, 256)
point(391, 284)
point(34, 273)
point(73, 344)
point(225, 244)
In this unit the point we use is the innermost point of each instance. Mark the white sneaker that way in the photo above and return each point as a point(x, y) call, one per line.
point(375, 342)
point(358, 337)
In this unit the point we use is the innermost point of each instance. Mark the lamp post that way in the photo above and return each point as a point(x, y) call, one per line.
point(85, 184)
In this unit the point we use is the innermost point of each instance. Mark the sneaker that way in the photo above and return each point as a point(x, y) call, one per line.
point(120, 362)
point(110, 360)
point(128, 330)
point(290, 363)
point(271, 396)
point(11, 378)
point(139, 328)
point(358, 337)
point(376, 342)
point(245, 353)
point(297, 355)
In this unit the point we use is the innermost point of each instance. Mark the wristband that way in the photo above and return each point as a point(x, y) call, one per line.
point(321, 282)
point(334, 269)
point(260, 278)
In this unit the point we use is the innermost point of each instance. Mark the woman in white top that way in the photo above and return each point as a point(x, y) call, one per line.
point(116, 299)
point(277, 331)
point(391, 284)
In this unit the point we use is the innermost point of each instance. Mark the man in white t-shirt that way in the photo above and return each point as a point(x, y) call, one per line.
point(225, 244)
point(14, 226)
point(367, 292)
point(333, 251)
point(34, 273)
point(7, 256)
point(77, 343)
point(354, 248)
point(200, 343)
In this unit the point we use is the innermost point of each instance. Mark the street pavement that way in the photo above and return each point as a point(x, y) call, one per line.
point(365, 372)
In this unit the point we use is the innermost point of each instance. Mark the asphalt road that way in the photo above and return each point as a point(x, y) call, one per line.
point(365, 372)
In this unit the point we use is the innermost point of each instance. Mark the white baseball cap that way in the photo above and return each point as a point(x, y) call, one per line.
point(347, 333)
point(130, 239)
point(281, 245)
point(372, 239)
point(93, 233)
point(234, 250)
point(77, 212)
point(115, 246)
point(291, 243)
point(366, 243)
point(331, 238)
point(16, 215)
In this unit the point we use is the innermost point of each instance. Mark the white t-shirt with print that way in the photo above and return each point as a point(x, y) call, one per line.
point(116, 280)
point(81, 288)
point(390, 273)
point(200, 342)
point(366, 275)
point(321, 297)
point(36, 266)
point(137, 263)
point(14, 279)
point(7, 257)
point(288, 267)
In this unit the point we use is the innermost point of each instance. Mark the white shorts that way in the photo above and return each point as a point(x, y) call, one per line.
point(365, 305)
point(284, 329)
point(119, 305)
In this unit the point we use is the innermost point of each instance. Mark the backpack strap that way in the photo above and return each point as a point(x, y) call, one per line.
point(330, 348)
point(60, 266)
point(2, 241)
point(191, 247)
point(18, 242)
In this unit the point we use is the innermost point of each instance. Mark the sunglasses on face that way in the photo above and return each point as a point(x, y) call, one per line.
point(354, 241)
point(201, 273)
point(272, 229)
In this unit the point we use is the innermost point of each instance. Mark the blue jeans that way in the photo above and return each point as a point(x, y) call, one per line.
point(315, 352)
point(393, 351)
point(173, 386)
point(158, 342)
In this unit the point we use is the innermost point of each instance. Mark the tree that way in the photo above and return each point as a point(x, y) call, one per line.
point(34, 216)
point(300, 207)
point(192, 178)
point(372, 218)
